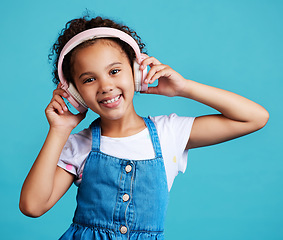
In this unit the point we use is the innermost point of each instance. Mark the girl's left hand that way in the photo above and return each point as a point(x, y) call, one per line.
point(170, 83)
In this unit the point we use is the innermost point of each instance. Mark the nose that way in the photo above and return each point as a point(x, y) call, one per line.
point(105, 85)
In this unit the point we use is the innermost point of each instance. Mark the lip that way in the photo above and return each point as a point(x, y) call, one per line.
point(111, 104)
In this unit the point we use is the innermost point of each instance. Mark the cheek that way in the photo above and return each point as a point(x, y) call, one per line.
point(129, 84)
point(129, 77)
point(87, 94)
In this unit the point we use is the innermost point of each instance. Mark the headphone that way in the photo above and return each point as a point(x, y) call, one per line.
point(100, 32)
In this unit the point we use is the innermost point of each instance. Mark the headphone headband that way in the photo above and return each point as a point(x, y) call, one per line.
point(99, 32)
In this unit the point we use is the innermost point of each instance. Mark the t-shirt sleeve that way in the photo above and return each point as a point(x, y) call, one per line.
point(182, 127)
point(174, 132)
point(75, 152)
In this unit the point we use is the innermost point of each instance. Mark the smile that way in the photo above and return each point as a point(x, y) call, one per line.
point(115, 99)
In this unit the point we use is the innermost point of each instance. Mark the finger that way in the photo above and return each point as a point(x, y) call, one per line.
point(144, 55)
point(165, 72)
point(152, 73)
point(60, 101)
point(59, 86)
point(151, 90)
point(60, 92)
point(150, 61)
point(56, 107)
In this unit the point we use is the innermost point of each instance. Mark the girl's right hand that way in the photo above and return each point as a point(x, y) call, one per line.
point(58, 114)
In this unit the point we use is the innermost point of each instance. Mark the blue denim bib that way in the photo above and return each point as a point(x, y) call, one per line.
point(120, 198)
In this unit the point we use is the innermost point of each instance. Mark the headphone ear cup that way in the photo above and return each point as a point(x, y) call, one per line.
point(137, 76)
point(75, 98)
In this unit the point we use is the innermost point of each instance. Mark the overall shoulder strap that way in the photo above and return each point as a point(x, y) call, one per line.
point(96, 133)
point(154, 136)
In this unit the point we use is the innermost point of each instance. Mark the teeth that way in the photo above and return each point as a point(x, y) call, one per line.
point(111, 100)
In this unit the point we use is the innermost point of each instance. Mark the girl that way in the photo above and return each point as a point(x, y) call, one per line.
point(123, 164)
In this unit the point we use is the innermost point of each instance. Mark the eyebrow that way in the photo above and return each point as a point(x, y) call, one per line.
point(109, 66)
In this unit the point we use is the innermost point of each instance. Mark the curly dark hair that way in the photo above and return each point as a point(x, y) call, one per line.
point(78, 25)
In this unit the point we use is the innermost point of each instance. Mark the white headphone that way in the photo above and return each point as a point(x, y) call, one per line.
point(100, 32)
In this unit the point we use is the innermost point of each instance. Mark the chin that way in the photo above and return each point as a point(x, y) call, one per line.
point(110, 116)
point(113, 117)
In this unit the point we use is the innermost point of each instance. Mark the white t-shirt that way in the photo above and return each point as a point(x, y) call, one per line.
point(173, 132)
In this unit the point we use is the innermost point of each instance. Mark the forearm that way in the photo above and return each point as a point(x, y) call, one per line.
point(231, 105)
point(239, 116)
point(38, 186)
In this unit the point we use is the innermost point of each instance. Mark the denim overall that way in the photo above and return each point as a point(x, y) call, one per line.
point(120, 198)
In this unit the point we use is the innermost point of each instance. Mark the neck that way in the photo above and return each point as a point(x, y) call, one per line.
point(122, 127)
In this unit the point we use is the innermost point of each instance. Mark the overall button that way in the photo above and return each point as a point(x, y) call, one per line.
point(128, 168)
point(126, 197)
point(123, 229)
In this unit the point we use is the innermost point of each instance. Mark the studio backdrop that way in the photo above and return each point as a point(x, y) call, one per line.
point(229, 191)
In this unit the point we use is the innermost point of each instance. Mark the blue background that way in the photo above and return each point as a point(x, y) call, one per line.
point(229, 191)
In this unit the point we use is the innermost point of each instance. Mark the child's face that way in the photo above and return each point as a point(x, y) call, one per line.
point(104, 78)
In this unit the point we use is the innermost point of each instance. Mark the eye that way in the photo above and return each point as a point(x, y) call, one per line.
point(89, 80)
point(114, 71)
